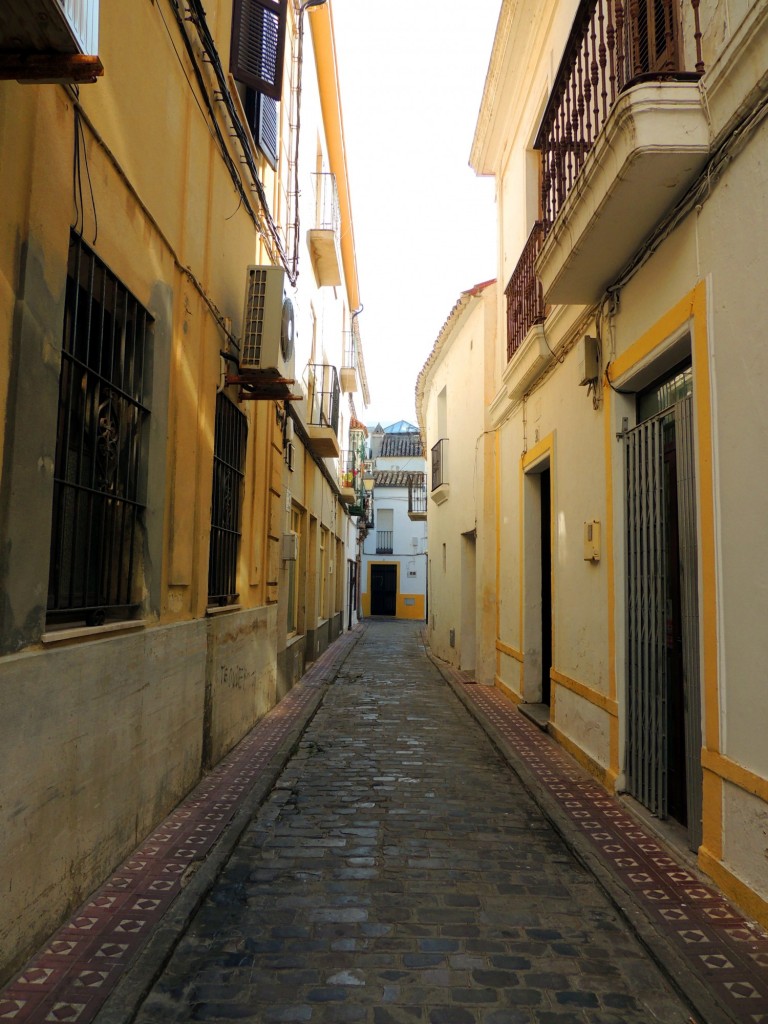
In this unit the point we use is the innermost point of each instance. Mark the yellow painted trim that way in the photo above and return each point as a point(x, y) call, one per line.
point(507, 690)
point(506, 649)
point(735, 773)
point(599, 700)
point(712, 812)
point(609, 441)
point(414, 611)
point(680, 314)
point(324, 46)
point(605, 776)
point(497, 510)
point(706, 508)
point(747, 899)
point(536, 454)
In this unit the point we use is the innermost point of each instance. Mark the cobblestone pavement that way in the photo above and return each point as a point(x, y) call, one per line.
point(400, 873)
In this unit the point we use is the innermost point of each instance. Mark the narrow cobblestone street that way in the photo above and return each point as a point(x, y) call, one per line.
point(399, 873)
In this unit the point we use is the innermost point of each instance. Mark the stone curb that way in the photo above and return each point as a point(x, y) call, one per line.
point(124, 1002)
point(708, 1009)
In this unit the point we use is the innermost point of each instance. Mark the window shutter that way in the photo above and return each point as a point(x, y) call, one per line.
point(262, 113)
point(258, 44)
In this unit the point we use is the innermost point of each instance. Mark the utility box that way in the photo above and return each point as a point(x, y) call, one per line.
point(290, 547)
point(588, 366)
point(592, 541)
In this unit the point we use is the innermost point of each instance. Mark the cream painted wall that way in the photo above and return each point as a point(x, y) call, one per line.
point(706, 279)
point(461, 529)
point(74, 802)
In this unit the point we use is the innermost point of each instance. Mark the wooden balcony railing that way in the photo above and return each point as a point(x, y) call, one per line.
point(612, 45)
point(525, 299)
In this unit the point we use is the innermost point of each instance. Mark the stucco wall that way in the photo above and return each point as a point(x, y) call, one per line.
point(241, 675)
point(97, 742)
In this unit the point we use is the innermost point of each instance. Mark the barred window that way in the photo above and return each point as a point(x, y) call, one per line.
point(230, 437)
point(99, 471)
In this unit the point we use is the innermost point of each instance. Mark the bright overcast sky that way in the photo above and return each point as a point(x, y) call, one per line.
point(412, 75)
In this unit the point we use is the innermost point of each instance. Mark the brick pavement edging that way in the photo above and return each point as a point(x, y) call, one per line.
point(126, 998)
point(701, 997)
point(100, 963)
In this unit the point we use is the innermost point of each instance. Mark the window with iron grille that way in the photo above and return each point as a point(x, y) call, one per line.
point(100, 463)
point(229, 442)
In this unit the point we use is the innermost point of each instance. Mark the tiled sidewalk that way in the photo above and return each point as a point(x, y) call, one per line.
point(72, 976)
point(725, 952)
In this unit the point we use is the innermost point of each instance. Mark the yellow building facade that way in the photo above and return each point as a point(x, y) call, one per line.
point(625, 414)
point(175, 544)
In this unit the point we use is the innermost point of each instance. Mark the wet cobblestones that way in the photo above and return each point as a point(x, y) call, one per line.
point(398, 873)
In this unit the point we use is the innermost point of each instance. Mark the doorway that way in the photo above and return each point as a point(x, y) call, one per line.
point(663, 688)
point(538, 591)
point(468, 637)
point(546, 586)
point(384, 589)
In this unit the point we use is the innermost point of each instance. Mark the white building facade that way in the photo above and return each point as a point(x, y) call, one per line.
point(394, 554)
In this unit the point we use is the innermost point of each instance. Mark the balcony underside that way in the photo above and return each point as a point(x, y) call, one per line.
point(440, 494)
point(653, 145)
point(323, 441)
point(418, 517)
point(323, 246)
point(347, 495)
point(527, 364)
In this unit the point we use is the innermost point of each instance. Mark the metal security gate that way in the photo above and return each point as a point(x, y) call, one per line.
point(663, 756)
point(689, 593)
point(646, 765)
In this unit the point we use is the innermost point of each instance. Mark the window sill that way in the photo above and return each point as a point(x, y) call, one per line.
point(59, 636)
point(216, 609)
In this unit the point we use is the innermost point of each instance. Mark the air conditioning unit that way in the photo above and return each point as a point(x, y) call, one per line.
point(268, 324)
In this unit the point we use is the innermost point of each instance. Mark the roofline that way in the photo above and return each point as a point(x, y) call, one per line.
point(465, 300)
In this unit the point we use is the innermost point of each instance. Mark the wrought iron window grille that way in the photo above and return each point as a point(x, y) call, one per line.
point(100, 462)
point(230, 440)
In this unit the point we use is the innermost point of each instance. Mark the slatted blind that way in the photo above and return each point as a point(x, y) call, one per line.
point(258, 44)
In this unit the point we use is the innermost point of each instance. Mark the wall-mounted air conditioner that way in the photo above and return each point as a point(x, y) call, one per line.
point(268, 324)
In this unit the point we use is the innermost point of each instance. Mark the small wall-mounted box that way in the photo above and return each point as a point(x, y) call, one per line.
point(290, 547)
point(592, 541)
point(588, 368)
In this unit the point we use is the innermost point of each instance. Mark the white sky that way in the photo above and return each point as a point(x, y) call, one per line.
point(411, 75)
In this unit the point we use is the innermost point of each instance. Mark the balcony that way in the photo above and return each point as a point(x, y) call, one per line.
point(323, 239)
point(50, 41)
point(348, 372)
point(384, 542)
point(623, 136)
point(439, 492)
point(348, 472)
point(417, 497)
point(323, 410)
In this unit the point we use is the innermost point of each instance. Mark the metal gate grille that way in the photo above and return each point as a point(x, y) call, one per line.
point(689, 595)
point(646, 587)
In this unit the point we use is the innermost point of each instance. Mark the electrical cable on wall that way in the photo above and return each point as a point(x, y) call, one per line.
point(80, 157)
